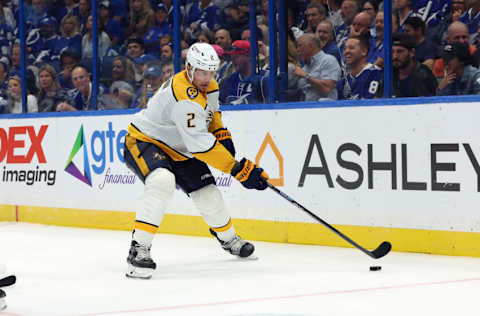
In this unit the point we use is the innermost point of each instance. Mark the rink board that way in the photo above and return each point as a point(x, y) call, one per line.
point(408, 174)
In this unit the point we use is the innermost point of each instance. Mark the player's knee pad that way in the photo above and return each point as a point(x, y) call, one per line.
point(159, 189)
point(209, 202)
point(160, 182)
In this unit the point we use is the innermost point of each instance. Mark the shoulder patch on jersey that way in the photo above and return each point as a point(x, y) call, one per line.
point(183, 89)
point(192, 92)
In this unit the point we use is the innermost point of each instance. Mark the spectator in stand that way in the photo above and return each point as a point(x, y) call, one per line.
point(48, 32)
point(155, 33)
point(7, 28)
point(226, 69)
point(35, 13)
point(6, 16)
point(376, 49)
point(68, 59)
point(70, 35)
point(68, 7)
point(404, 10)
point(119, 11)
point(263, 50)
point(15, 69)
point(166, 54)
point(320, 72)
point(361, 26)
point(363, 78)
point(103, 42)
point(223, 39)
point(243, 87)
point(80, 98)
point(432, 12)
point(110, 25)
point(202, 15)
point(167, 39)
point(206, 36)
point(236, 18)
point(142, 18)
point(334, 13)
point(327, 38)
point(315, 13)
point(119, 97)
point(6, 36)
point(221, 55)
point(371, 7)
point(471, 18)
point(457, 32)
point(438, 32)
point(168, 71)
point(123, 70)
point(460, 76)
point(348, 10)
point(426, 50)
point(153, 78)
point(84, 11)
point(410, 78)
point(3, 80)
point(50, 93)
point(136, 48)
point(14, 100)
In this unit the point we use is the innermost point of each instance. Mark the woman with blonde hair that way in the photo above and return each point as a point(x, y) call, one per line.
point(142, 18)
point(123, 70)
point(14, 100)
point(70, 34)
point(51, 93)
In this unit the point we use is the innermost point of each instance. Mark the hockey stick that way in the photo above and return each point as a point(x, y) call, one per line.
point(381, 250)
point(7, 281)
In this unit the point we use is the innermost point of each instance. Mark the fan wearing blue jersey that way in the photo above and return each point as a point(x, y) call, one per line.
point(363, 78)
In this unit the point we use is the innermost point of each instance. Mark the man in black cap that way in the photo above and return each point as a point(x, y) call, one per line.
point(460, 76)
point(410, 78)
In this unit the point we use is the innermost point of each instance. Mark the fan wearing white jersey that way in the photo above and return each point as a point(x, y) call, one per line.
point(170, 143)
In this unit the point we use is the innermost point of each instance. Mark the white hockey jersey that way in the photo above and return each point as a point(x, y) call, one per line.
point(180, 119)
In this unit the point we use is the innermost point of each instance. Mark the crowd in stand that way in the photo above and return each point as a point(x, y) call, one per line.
point(335, 50)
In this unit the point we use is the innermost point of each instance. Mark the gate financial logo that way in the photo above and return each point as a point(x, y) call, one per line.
point(102, 153)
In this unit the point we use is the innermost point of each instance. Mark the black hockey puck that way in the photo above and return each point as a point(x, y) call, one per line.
point(375, 268)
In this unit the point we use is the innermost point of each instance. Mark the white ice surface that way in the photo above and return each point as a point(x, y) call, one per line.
point(70, 271)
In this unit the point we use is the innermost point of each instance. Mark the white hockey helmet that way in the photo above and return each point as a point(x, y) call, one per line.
point(201, 56)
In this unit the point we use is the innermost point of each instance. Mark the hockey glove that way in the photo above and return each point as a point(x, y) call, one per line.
point(250, 176)
point(225, 138)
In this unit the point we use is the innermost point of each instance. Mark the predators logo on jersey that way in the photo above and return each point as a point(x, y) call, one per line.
point(192, 92)
point(183, 89)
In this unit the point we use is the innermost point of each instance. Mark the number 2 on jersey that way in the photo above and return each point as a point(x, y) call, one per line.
point(190, 119)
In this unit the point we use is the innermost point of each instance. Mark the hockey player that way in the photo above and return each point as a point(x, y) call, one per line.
point(171, 142)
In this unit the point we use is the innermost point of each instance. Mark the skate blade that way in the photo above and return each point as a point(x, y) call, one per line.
point(249, 258)
point(3, 304)
point(139, 273)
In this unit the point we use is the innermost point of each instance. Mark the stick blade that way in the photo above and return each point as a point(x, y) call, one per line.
point(382, 250)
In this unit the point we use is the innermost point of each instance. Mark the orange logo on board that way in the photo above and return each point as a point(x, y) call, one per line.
point(268, 140)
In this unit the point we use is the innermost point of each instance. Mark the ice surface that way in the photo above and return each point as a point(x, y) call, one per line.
point(71, 271)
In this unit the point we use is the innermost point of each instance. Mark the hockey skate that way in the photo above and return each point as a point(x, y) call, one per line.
point(140, 264)
point(237, 246)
